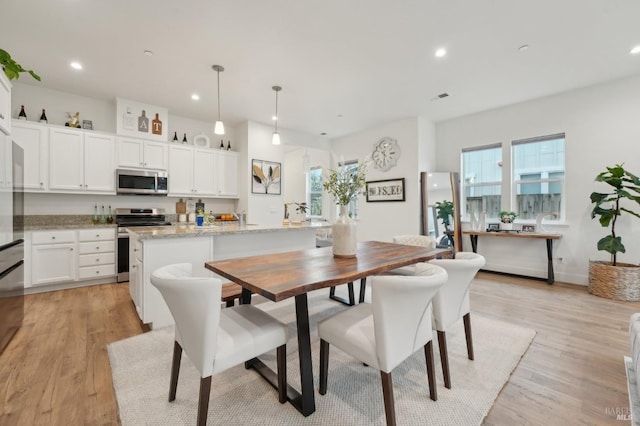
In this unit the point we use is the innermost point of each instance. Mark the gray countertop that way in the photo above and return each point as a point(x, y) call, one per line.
point(190, 230)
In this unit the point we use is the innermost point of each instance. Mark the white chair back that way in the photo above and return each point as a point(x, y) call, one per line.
point(452, 301)
point(415, 240)
point(194, 303)
point(402, 312)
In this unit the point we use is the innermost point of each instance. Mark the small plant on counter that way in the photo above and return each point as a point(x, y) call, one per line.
point(507, 216)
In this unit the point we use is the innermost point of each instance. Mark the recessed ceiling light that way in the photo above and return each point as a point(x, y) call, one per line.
point(523, 47)
point(635, 50)
point(195, 97)
point(148, 53)
point(76, 65)
point(441, 52)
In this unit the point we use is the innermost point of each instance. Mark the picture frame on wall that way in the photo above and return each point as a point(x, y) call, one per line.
point(385, 190)
point(265, 177)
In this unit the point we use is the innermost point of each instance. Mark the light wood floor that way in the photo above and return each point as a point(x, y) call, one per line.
point(56, 370)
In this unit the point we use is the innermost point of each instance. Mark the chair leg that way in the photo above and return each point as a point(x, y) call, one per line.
point(324, 366)
point(444, 358)
point(175, 370)
point(282, 373)
point(203, 402)
point(332, 291)
point(230, 303)
point(431, 370)
point(387, 393)
point(467, 332)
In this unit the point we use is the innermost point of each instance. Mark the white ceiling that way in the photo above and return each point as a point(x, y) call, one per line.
point(344, 65)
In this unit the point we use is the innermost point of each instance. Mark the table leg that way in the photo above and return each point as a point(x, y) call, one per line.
point(245, 299)
point(352, 298)
point(303, 401)
point(550, 275)
point(306, 402)
point(363, 288)
point(474, 243)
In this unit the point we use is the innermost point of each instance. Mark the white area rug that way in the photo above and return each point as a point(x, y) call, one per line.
point(141, 368)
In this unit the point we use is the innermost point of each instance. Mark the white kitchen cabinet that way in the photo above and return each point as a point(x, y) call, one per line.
point(34, 140)
point(227, 173)
point(144, 154)
point(96, 253)
point(191, 171)
point(81, 162)
point(5, 104)
point(53, 257)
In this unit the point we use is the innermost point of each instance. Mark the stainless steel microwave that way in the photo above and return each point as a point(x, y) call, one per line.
point(145, 182)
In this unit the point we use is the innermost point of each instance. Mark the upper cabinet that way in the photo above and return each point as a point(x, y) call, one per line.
point(34, 140)
point(138, 153)
point(227, 174)
point(5, 104)
point(203, 172)
point(81, 161)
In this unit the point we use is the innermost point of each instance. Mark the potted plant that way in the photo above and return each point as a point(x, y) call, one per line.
point(613, 279)
point(345, 184)
point(12, 69)
point(506, 219)
point(444, 212)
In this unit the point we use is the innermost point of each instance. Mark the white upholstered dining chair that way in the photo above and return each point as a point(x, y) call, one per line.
point(387, 331)
point(215, 339)
point(411, 240)
point(452, 303)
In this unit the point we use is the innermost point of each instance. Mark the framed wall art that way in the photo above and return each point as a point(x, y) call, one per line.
point(140, 120)
point(265, 177)
point(385, 190)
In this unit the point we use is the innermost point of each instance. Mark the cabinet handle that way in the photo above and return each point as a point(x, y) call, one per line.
point(41, 184)
point(97, 260)
point(97, 272)
point(80, 185)
point(53, 238)
point(71, 249)
point(133, 266)
point(85, 185)
point(135, 249)
point(97, 235)
point(97, 247)
point(145, 164)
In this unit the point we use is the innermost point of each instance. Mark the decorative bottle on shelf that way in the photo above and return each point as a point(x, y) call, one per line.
point(128, 120)
point(228, 145)
point(95, 219)
point(43, 117)
point(156, 125)
point(109, 216)
point(103, 218)
point(143, 122)
point(221, 144)
point(184, 138)
point(175, 137)
point(22, 115)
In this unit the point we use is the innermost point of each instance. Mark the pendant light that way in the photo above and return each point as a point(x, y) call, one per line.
point(276, 136)
point(218, 128)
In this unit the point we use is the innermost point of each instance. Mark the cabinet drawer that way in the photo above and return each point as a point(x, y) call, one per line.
point(89, 272)
point(98, 247)
point(97, 259)
point(53, 237)
point(101, 234)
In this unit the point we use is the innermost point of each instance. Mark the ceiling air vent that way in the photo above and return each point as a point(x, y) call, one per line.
point(440, 96)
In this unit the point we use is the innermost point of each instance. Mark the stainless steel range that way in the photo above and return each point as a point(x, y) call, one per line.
point(128, 218)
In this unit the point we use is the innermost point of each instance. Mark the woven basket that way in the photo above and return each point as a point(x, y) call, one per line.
point(620, 282)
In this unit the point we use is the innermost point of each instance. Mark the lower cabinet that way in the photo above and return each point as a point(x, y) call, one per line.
point(69, 256)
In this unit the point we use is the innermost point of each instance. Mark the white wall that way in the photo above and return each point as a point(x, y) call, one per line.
point(602, 128)
point(382, 220)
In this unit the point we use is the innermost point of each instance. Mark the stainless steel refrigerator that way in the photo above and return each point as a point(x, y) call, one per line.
point(11, 239)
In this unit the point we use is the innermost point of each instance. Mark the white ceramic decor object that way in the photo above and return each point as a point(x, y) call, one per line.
point(344, 232)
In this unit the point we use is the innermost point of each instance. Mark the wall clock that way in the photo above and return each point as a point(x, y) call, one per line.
point(386, 154)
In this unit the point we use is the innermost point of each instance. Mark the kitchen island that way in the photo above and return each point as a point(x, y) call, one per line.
point(151, 247)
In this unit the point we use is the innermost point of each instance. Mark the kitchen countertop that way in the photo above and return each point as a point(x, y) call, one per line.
point(190, 230)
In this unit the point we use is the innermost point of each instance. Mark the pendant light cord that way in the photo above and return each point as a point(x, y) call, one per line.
point(218, 72)
point(277, 111)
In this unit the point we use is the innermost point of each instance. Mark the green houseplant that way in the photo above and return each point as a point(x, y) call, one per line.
point(613, 279)
point(444, 212)
point(345, 184)
point(507, 216)
point(12, 69)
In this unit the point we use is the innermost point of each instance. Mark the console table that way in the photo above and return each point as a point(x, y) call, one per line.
point(473, 235)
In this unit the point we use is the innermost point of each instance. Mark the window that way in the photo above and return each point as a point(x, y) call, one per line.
point(482, 180)
point(314, 193)
point(538, 175)
point(351, 165)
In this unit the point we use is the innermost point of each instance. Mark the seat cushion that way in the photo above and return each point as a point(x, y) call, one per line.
point(246, 332)
point(357, 338)
point(409, 270)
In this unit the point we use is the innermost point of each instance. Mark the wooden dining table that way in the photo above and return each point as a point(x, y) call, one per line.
point(293, 274)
